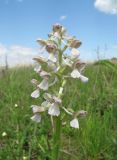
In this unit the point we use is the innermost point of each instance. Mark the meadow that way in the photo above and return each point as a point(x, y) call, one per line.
point(96, 138)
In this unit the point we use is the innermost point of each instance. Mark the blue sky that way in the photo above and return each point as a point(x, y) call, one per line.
point(94, 22)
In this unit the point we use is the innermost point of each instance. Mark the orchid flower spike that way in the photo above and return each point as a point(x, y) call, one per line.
point(60, 63)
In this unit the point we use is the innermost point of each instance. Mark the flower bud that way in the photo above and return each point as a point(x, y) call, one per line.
point(75, 43)
point(51, 48)
point(57, 28)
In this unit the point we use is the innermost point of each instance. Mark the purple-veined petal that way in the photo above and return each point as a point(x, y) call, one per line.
point(75, 74)
point(54, 110)
point(84, 79)
point(44, 84)
point(37, 109)
point(74, 53)
point(36, 118)
point(52, 57)
point(35, 94)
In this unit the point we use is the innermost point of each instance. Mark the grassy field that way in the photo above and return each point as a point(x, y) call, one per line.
point(95, 140)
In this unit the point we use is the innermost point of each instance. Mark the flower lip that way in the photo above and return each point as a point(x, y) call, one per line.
point(53, 57)
point(36, 93)
point(44, 84)
point(75, 74)
point(37, 109)
point(74, 123)
point(45, 74)
point(84, 79)
point(54, 109)
point(36, 118)
point(74, 53)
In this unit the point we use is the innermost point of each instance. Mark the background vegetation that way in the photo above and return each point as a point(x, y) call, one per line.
point(95, 140)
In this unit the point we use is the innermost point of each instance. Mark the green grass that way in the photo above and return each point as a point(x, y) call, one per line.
point(95, 140)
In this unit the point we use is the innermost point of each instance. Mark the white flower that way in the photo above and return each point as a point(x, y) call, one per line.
point(44, 84)
point(34, 108)
point(35, 94)
point(44, 74)
point(82, 113)
point(57, 99)
point(16, 105)
point(75, 53)
point(52, 66)
point(37, 109)
point(74, 123)
point(75, 74)
point(36, 118)
point(48, 97)
point(25, 158)
point(52, 57)
point(54, 109)
point(4, 134)
point(84, 79)
point(46, 104)
point(68, 62)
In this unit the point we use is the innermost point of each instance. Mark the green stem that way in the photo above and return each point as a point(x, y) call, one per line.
point(57, 139)
point(58, 122)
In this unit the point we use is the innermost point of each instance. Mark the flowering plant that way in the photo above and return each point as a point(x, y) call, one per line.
point(59, 68)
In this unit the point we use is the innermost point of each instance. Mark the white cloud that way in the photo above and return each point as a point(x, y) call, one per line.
point(107, 6)
point(114, 46)
point(3, 50)
point(20, 50)
point(17, 55)
point(63, 17)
